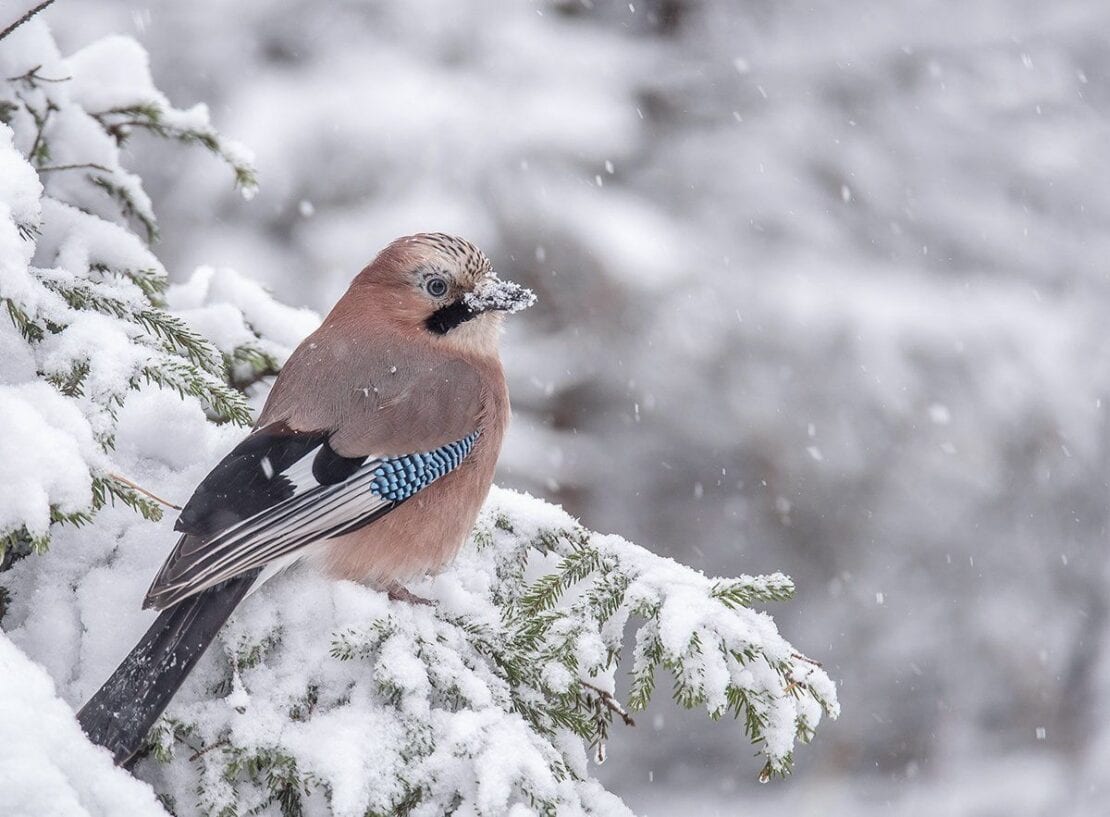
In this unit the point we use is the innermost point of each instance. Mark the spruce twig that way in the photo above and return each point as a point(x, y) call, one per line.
point(135, 486)
point(31, 77)
point(201, 752)
point(801, 657)
point(25, 18)
point(611, 703)
point(84, 166)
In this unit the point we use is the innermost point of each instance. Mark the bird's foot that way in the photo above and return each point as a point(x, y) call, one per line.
point(399, 592)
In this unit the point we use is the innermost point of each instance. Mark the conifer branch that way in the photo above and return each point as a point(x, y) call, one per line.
point(25, 18)
point(565, 626)
point(611, 703)
point(199, 753)
point(82, 166)
point(129, 206)
point(135, 486)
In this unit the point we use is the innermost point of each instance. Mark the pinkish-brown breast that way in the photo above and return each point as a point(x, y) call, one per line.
point(423, 534)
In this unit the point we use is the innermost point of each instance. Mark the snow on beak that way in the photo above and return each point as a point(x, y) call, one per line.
point(491, 293)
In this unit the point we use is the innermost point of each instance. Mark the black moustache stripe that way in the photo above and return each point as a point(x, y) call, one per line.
point(446, 318)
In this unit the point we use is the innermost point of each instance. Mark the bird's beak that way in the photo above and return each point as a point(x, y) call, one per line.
point(492, 293)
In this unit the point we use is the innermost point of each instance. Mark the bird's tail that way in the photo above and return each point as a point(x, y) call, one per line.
point(122, 711)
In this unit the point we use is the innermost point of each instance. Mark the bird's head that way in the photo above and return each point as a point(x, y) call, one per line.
point(445, 287)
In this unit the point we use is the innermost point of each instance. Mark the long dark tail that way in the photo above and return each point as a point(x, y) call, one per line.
point(122, 711)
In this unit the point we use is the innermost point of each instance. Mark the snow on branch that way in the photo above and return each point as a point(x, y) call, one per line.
point(51, 767)
point(489, 701)
point(87, 299)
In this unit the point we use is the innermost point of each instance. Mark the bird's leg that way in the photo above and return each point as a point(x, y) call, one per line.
point(398, 592)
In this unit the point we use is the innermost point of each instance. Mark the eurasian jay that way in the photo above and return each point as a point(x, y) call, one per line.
point(370, 460)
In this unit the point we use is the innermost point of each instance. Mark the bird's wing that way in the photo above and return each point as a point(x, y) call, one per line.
point(284, 488)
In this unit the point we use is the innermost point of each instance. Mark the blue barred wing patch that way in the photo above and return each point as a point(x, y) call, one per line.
point(398, 478)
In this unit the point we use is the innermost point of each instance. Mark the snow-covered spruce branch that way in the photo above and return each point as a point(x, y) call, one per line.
point(510, 678)
point(87, 299)
point(190, 127)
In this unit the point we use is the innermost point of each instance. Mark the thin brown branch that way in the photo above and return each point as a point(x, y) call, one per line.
point(199, 752)
point(85, 166)
point(25, 18)
point(611, 703)
point(40, 120)
point(142, 490)
point(33, 76)
point(807, 660)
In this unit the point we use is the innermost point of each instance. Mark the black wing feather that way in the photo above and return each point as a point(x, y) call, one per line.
point(248, 480)
point(330, 468)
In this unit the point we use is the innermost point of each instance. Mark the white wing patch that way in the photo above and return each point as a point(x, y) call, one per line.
point(300, 472)
point(314, 512)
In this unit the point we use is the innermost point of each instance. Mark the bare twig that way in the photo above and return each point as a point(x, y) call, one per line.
point(85, 166)
point(142, 490)
point(40, 120)
point(25, 18)
point(807, 660)
point(611, 703)
point(208, 748)
point(32, 76)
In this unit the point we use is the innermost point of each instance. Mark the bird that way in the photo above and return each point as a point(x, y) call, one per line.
point(370, 461)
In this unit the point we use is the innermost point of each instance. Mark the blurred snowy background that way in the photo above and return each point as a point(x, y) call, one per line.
point(824, 289)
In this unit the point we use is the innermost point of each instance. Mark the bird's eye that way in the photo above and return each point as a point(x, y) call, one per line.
point(436, 286)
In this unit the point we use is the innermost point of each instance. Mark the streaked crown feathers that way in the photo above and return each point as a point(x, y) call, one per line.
point(472, 262)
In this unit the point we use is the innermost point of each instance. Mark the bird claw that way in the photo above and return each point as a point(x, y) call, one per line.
point(398, 592)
